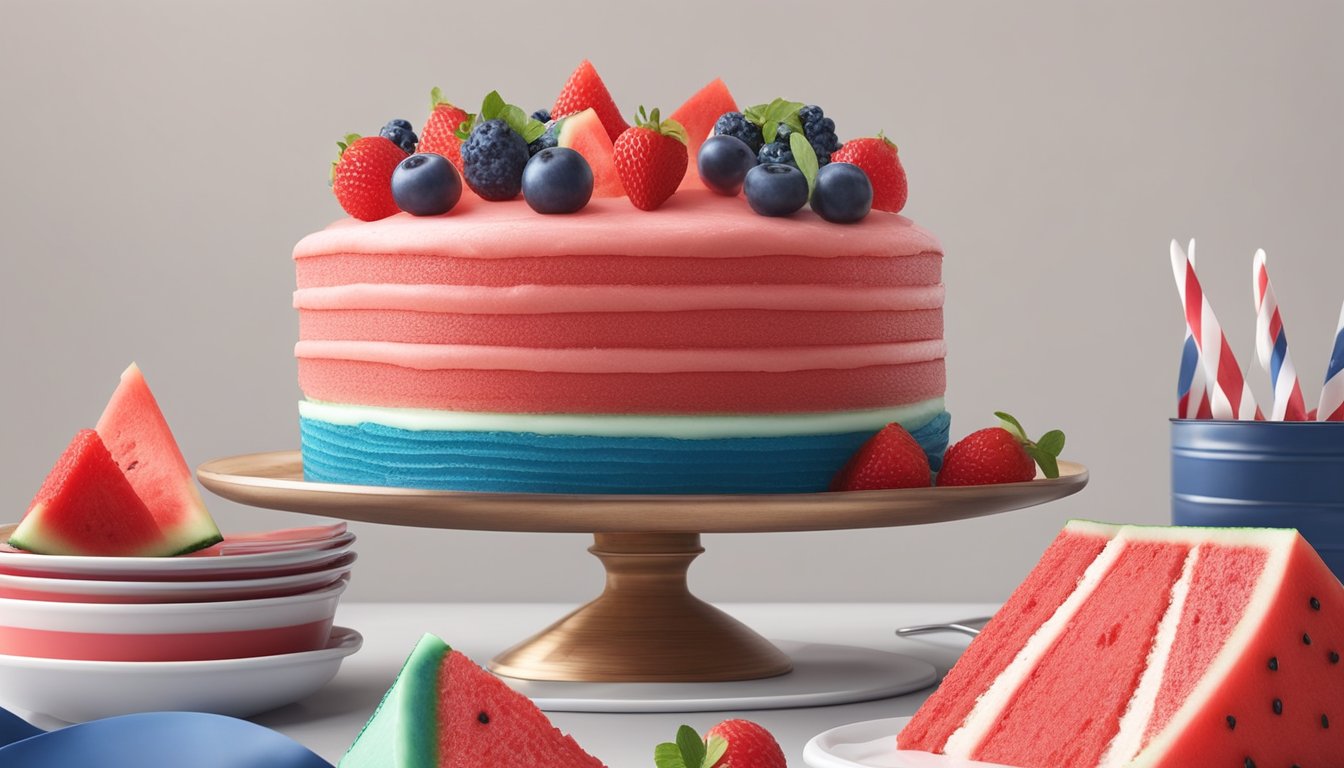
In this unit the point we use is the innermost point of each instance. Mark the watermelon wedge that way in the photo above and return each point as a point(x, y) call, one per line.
point(584, 134)
point(87, 507)
point(444, 711)
point(1155, 647)
point(585, 90)
point(698, 116)
point(138, 437)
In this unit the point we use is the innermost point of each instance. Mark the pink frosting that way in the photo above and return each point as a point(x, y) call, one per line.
point(653, 330)
point(694, 223)
point(365, 383)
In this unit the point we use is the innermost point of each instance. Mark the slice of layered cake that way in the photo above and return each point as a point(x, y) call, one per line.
point(1150, 646)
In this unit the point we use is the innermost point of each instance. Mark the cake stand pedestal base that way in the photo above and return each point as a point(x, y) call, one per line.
point(822, 675)
point(646, 626)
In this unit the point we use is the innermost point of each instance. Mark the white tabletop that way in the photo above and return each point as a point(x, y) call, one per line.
point(329, 721)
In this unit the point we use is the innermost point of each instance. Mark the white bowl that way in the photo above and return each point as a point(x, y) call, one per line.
point(168, 631)
point(76, 691)
point(100, 591)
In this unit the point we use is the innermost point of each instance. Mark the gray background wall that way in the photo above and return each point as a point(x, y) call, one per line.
point(161, 158)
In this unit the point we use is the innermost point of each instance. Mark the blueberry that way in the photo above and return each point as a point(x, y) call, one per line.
point(399, 132)
point(557, 180)
point(843, 193)
point(820, 132)
point(775, 189)
point(426, 185)
point(542, 115)
point(723, 162)
point(492, 160)
point(735, 124)
point(776, 152)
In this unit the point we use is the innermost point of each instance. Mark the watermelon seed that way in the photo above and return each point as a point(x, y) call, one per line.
point(1325, 721)
point(1231, 723)
point(1273, 663)
point(1250, 763)
point(1306, 639)
point(484, 718)
point(1334, 657)
point(1315, 604)
point(1278, 706)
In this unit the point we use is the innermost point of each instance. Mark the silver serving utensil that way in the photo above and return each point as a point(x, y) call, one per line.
point(970, 627)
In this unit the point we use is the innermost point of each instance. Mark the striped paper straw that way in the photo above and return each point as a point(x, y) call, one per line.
point(1332, 397)
point(1229, 394)
point(1271, 346)
point(1192, 399)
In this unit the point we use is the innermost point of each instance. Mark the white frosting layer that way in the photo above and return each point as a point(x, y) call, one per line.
point(1134, 723)
point(911, 416)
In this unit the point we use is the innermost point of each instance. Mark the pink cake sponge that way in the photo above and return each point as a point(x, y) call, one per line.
point(1151, 646)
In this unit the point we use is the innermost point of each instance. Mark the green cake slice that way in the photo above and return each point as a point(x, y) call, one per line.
point(444, 711)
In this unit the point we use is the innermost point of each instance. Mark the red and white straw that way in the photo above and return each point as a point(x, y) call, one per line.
point(1229, 394)
point(1271, 346)
point(1192, 397)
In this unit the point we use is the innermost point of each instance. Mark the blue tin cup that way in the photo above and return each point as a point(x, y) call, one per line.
point(1262, 474)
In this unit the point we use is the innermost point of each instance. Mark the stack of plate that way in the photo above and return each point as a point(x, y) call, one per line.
point(238, 628)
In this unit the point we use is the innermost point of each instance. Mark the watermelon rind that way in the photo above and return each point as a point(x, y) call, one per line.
point(391, 741)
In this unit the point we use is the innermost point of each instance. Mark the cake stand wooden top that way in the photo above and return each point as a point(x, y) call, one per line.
point(275, 481)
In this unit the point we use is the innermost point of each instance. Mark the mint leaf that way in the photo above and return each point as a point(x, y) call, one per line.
point(1052, 442)
point(714, 750)
point(806, 158)
point(1047, 461)
point(492, 107)
point(668, 755)
point(692, 748)
point(1013, 425)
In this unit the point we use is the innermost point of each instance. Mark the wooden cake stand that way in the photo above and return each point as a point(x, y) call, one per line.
point(646, 626)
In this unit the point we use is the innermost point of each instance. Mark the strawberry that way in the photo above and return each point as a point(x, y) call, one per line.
point(730, 744)
point(440, 132)
point(749, 746)
point(1001, 454)
point(585, 89)
point(877, 157)
point(361, 177)
point(651, 158)
point(890, 459)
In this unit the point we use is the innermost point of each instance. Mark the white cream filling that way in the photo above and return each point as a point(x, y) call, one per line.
point(1134, 723)
point(966, 740)
point(689, 427)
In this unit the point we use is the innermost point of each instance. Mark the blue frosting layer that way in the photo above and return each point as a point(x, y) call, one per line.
point(374, 454)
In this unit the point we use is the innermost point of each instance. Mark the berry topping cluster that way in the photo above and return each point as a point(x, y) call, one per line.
point(781, 155)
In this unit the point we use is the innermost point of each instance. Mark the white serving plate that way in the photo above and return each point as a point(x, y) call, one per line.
point(76, 691)
point(212, 563)
point(109, 591)
point(872, 744)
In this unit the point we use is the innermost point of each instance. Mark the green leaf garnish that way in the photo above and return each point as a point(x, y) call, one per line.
point(1045, 451)
point(805, 156)
point(493, 107)
point(689, 750)
point(769, 116)
point(714, 750)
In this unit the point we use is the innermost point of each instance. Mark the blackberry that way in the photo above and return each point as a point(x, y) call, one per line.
point(735, 124)
point(776, 152)
point(542, 115)
point(492, 160)
point(820, 132)
point(399, 132)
